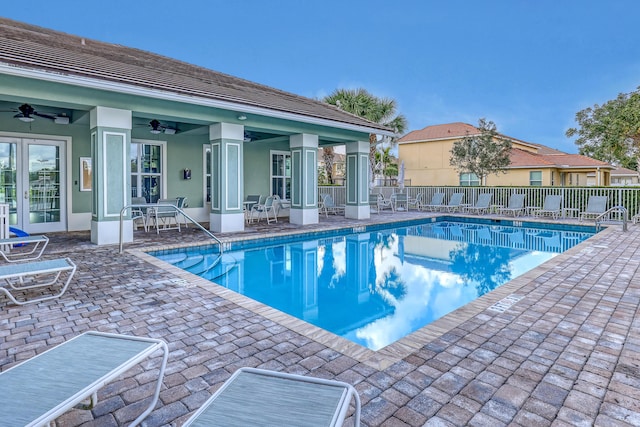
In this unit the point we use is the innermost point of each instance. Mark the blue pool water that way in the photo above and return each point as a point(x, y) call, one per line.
point(377, 286)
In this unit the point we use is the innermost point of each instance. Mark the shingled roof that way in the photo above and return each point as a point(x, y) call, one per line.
point(36, 48)
point(543, 156)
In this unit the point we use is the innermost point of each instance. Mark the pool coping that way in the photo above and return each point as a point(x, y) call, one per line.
point(490, 304)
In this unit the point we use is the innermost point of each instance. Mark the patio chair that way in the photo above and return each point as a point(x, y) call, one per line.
point(181, 203)
point(596, 206)
point(164, 215)
point(384, 203)
point(329, 206)
point(515, 206)
point(32, 275)
point(268, 210)
point(455, 203)
point(482, 204)
point(260, 397)
point(436, 202)
point(41, 389)
point(23, 248)
point(551, 206)
point(416, 203)
point(138, 212)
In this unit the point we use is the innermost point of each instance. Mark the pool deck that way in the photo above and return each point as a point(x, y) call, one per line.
point(558, 346)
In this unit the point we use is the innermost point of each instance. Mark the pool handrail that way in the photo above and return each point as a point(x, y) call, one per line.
point(619, 209)
point(180, 211)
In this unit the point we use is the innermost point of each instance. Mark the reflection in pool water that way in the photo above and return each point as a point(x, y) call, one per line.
point(374, 288)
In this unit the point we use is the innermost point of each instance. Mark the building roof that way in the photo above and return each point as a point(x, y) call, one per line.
point(35, 48)
point(624, 172)
point(542, 156)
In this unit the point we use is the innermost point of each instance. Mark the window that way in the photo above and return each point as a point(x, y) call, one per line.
point(281, 174)
point(535, 178)
point(469, 180)
point(147, 170)
point(207, 172)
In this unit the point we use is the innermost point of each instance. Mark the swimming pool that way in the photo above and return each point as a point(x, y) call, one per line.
point(380, 283)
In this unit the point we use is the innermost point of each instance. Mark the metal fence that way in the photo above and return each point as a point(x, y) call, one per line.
point(572, 197)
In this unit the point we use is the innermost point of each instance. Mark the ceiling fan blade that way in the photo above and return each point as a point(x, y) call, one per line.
point(45, 115)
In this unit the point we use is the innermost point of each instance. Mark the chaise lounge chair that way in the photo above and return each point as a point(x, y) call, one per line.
point(416, 203)
point(515, 206)
point(329, 206)
point(39, 390)
point(254, 397)
point(436, 202)
point(30, 248)
point(32, 275)
point(596, 206)
point(482, 204)
point(455, 203)
point(551, 206)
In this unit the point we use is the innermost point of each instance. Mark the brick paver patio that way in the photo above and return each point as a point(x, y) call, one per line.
point(566, 353)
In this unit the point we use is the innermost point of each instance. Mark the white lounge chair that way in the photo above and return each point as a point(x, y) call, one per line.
point(267, 210)
point(164, 215)
point(139, 212)
point(27, 276)
point(482, 204)
point(39, 390)
point(416, 203)
point(596, 206)
point(384, 203)
point(254, 397)
point(25, 248)
point(515, 206)
point(552, 206)
point(436, 202)
point(455, 203)
point(328, 205)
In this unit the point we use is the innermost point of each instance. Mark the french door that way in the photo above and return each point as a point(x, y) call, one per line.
point(32, 183)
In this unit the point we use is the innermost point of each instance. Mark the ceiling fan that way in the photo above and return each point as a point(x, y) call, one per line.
point(26, 113)
point(156, 127)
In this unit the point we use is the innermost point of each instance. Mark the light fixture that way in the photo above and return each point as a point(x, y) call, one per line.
point(242, 117)
point(25, 114)
point(61, 120)
point(155, 127)
point(169, 131)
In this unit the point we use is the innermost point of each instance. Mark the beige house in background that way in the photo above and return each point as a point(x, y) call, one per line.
point(426, 153)
point(624, 176)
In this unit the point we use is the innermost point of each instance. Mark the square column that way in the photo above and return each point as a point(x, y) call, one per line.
point(357, 183)
point(304, 179)
point(111, 174)
point(227, 177)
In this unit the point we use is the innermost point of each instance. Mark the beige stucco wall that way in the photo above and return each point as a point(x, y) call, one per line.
point(427, 163)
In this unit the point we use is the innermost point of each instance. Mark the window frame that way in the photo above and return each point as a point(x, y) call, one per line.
point(471, 181)
point(286, 154)
point(139, 174)
point(535, 182)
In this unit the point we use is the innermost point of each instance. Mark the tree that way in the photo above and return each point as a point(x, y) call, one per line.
point(481, 154)
point(377, 110)
point(388, 162)
point(611, 132)
point(327, 157)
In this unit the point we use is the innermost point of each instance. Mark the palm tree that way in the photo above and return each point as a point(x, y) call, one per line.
point(377, 110)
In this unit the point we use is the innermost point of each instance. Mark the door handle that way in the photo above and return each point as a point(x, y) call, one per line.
point(26, 194)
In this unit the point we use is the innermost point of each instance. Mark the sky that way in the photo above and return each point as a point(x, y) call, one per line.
point(528, 66)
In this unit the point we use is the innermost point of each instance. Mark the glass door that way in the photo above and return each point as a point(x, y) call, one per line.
point(32, 183)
